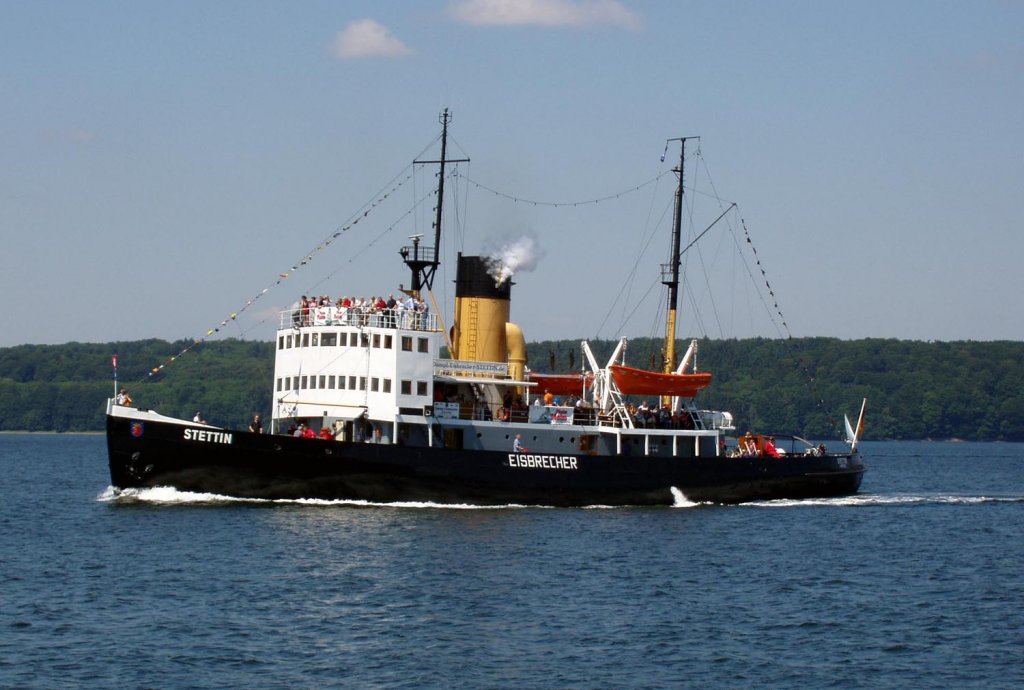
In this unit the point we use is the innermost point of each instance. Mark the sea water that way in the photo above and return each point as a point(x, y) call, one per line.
point(918, 581)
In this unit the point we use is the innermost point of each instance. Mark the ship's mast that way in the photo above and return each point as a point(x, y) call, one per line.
point(670, 271)
point(423, 261)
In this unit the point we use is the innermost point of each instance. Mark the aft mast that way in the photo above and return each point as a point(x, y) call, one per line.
point(670, 271)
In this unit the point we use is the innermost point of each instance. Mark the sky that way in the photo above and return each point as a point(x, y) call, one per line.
point(164, 166)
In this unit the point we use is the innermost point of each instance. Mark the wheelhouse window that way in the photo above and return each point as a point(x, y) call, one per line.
point(305, 340)
point(421, 388)
point(316, 337)
point(376, 340)
point(328, 340)
point(388, 342)
point(407, 343)
point(304, 382)
point(424, 345)
point(362, 383)
point(280, 342)
point(374, 384)
point(406, 387)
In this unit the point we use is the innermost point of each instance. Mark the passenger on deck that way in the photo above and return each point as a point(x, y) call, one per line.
point(748, 446)
point(409, 313)
point(256, 426)
point(549, 397)
point(123, 398)
point(769, 448)
point(517, 444)
point(326, 433)
point(307, 431)
point(390, 313)
point(422, 310)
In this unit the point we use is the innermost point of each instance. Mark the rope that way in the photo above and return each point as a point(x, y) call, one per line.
point(560, 204)
point(801, 363)
point(359, 215)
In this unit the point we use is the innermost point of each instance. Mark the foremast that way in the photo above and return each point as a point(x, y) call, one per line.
point(423, 261)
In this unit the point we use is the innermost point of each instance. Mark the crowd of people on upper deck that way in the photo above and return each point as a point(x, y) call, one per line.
point(648, 416)
point(408, 313)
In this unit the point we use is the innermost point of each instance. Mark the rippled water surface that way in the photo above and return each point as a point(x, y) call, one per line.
point(916, 582)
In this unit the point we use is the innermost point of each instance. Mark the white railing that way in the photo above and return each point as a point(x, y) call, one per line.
point(352, 316)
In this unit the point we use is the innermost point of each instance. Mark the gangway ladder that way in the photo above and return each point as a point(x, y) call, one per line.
point(698, 421)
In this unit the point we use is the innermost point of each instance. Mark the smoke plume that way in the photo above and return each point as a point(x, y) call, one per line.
point(518, 255)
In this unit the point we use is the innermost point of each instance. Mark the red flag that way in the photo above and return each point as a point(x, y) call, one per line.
point(114, 359)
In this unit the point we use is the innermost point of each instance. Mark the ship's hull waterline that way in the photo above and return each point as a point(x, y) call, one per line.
point(246, 465)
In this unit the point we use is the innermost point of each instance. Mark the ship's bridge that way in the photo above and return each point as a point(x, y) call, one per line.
point(339, 364)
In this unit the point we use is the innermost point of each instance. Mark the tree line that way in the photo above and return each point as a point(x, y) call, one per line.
point(916, 390)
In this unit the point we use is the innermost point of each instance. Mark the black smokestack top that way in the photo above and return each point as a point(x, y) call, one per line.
point(473, 279)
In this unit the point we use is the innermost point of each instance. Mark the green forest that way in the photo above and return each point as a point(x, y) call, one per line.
point(916, 390)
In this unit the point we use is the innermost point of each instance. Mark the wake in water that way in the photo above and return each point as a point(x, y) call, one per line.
point(887, 500)
point(167, 495)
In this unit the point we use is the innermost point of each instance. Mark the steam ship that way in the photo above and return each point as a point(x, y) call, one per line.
point(406, 410)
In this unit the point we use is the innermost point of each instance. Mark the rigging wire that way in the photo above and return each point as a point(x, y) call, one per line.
point(563, 204)
point(782, 326)
point(373, 241)
point(364, 211)
point(626, 291)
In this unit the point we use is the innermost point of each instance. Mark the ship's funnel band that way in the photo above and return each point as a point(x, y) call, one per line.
point(474, 280)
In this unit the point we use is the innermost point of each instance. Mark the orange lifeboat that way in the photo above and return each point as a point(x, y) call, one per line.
point(560, 384)
point(632, 381)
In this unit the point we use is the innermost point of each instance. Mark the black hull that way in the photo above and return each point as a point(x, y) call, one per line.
point(242, 464)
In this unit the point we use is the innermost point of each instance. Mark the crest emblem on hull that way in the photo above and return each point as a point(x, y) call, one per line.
point(136, 429)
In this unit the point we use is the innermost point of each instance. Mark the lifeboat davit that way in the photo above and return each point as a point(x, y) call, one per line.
point(632, 381)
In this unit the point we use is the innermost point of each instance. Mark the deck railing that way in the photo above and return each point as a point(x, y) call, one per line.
point(351, 316)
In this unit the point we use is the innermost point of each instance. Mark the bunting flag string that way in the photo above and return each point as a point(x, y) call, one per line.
point(560, 204)
point(804, 367)
point(800, 361)
point(427, 196)
point(362, 213)
point(764, 276)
